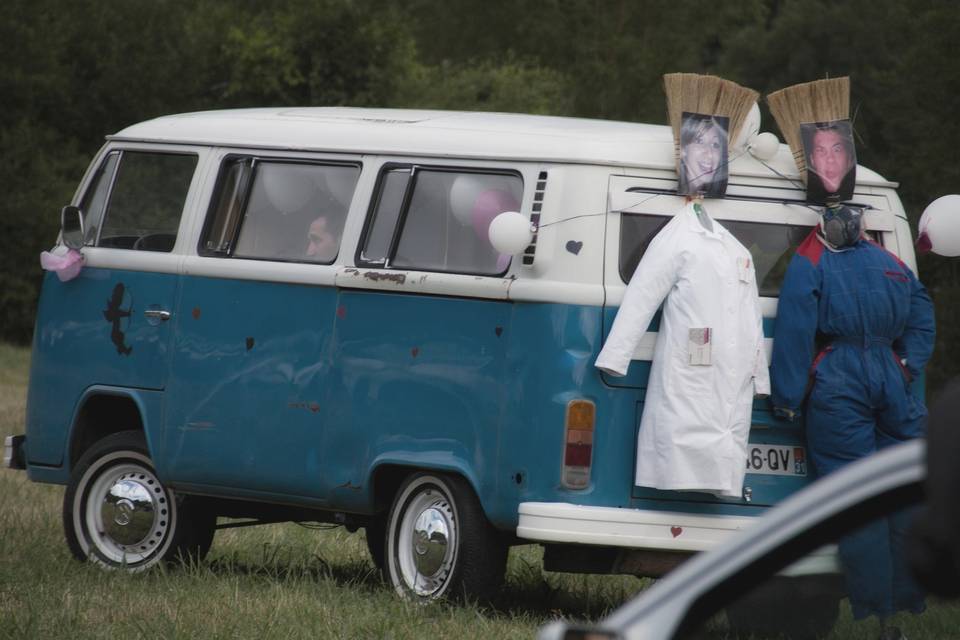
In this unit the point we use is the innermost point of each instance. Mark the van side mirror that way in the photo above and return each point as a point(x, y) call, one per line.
point(510, 233)
point(71, 226)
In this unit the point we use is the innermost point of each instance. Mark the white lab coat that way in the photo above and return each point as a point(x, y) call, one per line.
point(696, 419)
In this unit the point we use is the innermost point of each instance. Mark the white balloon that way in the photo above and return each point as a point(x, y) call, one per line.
point(941, 223)
point(340, 183)
point(764, 146)
point(288, 187)
point(510, 233)
point(750, 128)
point(463, 194)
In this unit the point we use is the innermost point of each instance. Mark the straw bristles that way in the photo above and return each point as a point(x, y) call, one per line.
point(709, 95)
point(817, 101)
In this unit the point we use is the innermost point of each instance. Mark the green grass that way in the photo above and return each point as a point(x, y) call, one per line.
point(278, 581)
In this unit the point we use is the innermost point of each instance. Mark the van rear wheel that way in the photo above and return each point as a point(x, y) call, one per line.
point(118, 514)
point(440, 543)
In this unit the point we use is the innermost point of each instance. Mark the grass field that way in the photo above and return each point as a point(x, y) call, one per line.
point(276, 581)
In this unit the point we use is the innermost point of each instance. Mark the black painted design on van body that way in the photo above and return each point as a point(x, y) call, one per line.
point(114, 314)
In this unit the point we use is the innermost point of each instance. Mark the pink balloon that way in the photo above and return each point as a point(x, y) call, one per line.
point(67, 266)
point(488, 205)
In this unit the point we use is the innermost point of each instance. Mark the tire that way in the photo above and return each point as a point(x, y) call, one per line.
point(439, 543)
point(117, 514)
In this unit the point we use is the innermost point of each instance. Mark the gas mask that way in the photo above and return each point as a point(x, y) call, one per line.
point(841, 226)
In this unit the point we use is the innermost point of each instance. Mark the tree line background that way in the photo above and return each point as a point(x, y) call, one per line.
point(76, 71)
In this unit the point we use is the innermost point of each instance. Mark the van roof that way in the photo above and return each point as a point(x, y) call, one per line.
point(461, 134)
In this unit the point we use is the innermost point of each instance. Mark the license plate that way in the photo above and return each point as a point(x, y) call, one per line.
point(776, 460)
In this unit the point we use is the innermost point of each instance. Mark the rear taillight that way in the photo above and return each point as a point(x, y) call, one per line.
point(578, 444)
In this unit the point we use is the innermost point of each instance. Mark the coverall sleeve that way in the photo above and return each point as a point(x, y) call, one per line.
point(916, 343)
point(795, 333)
point(651, 282)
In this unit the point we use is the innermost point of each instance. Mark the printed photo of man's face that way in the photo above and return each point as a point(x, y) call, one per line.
point(831, 160)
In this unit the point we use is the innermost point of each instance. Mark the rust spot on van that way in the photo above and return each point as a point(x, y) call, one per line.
point(349, 485)
point(395, 278)
point(312, 407)
point(195, 313)
point(415, 351)
point(250, 342)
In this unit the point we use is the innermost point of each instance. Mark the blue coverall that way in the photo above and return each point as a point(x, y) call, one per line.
point(854, 327)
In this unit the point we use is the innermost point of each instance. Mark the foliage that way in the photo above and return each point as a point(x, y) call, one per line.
point(77, 71)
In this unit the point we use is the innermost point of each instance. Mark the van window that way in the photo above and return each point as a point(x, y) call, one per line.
point(145, 200)
point(771, 245)
point(437, 219)
point(96, 197)
point(280, 210)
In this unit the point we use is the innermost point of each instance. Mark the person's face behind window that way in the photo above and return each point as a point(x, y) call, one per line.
point(829, 159)
point(323, 244)
point(702, 158)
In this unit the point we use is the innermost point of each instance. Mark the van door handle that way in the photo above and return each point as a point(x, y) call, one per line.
point(157, 314)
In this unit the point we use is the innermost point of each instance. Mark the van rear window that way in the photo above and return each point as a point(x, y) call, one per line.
point(437, 218)
point(772, 245)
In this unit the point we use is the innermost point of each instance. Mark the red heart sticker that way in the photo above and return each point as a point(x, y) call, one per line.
point(676, 531)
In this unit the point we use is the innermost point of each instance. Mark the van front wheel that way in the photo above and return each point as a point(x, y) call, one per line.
point(116, 512)
point(439, 542)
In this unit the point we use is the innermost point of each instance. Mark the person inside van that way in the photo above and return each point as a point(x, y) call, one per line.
point(323, 239)
point(703, 155)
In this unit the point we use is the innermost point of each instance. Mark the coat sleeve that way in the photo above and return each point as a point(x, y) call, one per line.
point(916, 343)
point(795, 334)
point(651, 282)
point(761, 373)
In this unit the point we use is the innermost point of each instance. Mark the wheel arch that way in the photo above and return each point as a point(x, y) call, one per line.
point(102, 411)
point(387, 476)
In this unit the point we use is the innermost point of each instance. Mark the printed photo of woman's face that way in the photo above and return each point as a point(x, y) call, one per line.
point(703, 155)
point(831, 160)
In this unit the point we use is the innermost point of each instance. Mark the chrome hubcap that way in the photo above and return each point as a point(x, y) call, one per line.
point(425, 543)
point(430, 536)
point(128, 514)
point(129, 510)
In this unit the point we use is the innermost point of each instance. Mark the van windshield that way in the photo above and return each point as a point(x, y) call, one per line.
point(771, 245)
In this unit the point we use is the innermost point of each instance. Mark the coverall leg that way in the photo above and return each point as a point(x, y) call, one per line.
point(860, 403)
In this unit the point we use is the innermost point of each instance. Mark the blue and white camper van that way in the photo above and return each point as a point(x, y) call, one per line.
point(298, 315)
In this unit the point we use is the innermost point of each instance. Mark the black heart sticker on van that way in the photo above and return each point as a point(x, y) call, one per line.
point(574, 246)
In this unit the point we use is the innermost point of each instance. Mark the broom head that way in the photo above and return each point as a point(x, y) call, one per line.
point(706, 95)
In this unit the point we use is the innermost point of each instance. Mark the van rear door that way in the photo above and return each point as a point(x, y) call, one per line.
point(771, 225)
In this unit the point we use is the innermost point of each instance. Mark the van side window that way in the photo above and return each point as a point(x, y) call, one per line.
point(280, 210)
point(436, 219)
point(145, 201)
point(771, 245)
point(96, 197)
